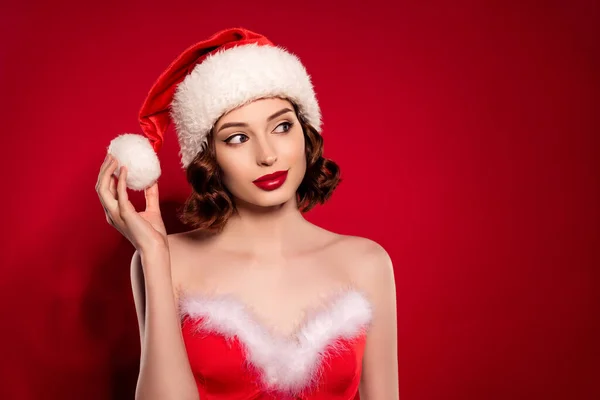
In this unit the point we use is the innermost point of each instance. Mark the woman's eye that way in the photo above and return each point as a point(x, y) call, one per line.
point(236, 139)
point(283, 127)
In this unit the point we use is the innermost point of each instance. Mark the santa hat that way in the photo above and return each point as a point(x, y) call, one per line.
point(210, 78)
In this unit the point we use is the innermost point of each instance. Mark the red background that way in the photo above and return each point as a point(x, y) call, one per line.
point(477, 124)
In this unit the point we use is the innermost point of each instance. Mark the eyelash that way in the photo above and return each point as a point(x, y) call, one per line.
point(289, 124)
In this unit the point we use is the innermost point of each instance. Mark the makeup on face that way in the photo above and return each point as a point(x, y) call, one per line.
point(271, 181)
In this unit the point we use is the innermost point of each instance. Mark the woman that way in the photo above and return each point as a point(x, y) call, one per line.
point(255, 302)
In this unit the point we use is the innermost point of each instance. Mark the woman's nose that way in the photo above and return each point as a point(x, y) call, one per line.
point(268, 160)
point(265, 154)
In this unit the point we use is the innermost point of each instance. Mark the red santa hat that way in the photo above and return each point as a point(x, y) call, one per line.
point(209, 79)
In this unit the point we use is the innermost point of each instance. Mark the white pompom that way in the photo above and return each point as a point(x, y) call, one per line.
point(136, 153)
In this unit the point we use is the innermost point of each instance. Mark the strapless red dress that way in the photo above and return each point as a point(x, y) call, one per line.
point(235, 357)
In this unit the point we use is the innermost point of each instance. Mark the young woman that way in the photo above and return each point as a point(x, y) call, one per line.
point(255, 302)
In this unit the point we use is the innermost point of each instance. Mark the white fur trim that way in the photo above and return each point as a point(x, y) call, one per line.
point(136, 153)
point(287, 364)
point(231, 78)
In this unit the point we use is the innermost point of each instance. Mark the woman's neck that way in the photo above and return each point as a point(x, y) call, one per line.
point(265, 231)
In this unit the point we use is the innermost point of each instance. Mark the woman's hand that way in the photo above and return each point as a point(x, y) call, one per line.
point(145, 230)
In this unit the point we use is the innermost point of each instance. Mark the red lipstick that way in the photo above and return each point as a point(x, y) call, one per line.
point(271, 181)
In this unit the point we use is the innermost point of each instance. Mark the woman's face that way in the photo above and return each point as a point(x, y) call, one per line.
point(260, 148)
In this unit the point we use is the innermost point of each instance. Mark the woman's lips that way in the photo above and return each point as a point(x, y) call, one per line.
point(271, 181)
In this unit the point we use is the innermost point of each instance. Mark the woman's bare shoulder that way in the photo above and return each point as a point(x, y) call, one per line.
point(189, 255)
point(351, 247)
point(367, 262)
point(361, 245)
point(195, 237)
point(183, 244)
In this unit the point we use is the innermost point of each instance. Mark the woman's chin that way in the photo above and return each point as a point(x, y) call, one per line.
point(268, 199)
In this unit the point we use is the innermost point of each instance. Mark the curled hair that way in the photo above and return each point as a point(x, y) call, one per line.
point(210, 204)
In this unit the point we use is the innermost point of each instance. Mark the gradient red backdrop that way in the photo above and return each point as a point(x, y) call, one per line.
point(478, 125)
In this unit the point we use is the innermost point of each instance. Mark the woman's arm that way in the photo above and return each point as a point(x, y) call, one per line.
point(165, 372)
point(379, 379)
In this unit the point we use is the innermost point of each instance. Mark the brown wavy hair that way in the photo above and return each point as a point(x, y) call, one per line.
point(210, 204)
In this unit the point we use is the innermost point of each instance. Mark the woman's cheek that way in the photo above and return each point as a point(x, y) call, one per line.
point(293, 151)
point(232, 173)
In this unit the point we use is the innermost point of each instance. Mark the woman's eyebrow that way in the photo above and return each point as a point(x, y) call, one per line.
point(278, 113)
point(230, 124)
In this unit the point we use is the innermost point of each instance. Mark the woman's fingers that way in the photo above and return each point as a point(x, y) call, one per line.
point(109, 162)
point(125, 205)
point(151, 194)
point(107, 197)
point(112, 186)
point(142, 230)
point(103, 167)
point(105, 163)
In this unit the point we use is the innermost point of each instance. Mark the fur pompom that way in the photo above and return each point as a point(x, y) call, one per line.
point(136, 153)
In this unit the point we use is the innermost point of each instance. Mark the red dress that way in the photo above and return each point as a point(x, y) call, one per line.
point(234, 356)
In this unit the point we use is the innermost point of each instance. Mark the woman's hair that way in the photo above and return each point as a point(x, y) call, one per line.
point(210, 205)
